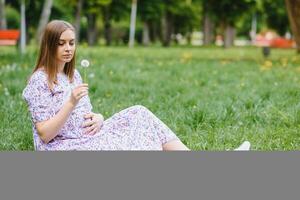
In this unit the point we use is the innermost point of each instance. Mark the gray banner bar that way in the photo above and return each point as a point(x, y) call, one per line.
point(150, 175)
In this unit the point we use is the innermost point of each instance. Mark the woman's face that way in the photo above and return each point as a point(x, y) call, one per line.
point(66, 46)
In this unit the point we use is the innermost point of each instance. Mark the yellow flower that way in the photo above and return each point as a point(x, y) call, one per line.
point(284, 62)
point(294, 59)
point(186, 57)
point(266, 66)
point(298, 69)
point(224, 62)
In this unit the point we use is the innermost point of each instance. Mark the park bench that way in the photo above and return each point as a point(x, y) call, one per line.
point(282, 43)
point(9, 37)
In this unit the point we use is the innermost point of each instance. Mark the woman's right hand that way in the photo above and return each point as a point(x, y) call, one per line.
point(78, 92)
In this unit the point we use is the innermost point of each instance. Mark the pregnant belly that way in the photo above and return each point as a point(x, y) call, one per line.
point(73, 127)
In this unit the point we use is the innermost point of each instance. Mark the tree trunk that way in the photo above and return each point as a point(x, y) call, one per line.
point(146, 33)
point(107, 25)
point(92, 30)
point(293, 8)
point(253, 28)
point(167, 29)
point(23, 28)
point(132, 23)
point(77, 19)
point(3, 24)
point(229, 36)
point(208, 33)
point(154, 33)
point(44, 19)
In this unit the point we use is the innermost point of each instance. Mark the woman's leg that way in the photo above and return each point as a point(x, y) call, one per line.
point(175, 145)
point(143, 120)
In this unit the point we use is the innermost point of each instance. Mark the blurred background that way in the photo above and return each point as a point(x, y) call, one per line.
point(158, 22)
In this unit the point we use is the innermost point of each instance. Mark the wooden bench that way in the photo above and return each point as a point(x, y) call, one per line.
point(9, 37)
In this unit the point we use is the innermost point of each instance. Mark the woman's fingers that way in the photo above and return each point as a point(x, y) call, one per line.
point(94, 125)
point(81, 86)
point(92, 130)
point(88, 116)
point(78, 92)
point(88, 123)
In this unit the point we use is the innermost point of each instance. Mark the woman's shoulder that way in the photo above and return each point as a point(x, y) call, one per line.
point(37, 80)
point(38, 76)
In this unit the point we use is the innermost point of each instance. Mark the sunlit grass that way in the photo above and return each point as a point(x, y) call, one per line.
point(211, 97)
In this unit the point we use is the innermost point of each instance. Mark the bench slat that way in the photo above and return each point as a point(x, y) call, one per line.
point(8, 42)
point(9, 34)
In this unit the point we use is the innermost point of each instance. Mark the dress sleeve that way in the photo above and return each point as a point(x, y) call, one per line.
point(38, 96)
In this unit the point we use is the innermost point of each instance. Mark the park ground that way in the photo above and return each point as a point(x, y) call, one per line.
point(211, 97)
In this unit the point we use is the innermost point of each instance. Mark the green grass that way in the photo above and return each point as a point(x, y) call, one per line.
point(212, 98)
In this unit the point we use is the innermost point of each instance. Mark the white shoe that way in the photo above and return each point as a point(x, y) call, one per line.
point(244, 147)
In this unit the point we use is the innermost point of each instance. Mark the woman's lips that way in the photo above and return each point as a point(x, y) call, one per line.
point(67, 56)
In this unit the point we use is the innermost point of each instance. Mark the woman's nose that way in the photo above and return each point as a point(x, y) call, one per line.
point(68, 47)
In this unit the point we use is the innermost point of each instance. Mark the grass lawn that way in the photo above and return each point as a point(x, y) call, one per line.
point(212, 98)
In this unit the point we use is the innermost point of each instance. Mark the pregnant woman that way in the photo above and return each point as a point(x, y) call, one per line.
point(61, 110)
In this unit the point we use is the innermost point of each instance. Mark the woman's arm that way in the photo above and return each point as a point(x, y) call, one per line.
point(50, 128)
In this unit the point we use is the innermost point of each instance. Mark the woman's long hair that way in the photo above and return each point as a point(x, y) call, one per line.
point(48, 52)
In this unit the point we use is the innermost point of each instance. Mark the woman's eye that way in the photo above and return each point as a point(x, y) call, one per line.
point(72, 43)
point(60, 44)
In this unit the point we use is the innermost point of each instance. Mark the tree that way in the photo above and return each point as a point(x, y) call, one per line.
point(227, 13)
point(149, 12)
point(79, 5)
point(208, 24)
point(115, 10)
point(276, 15)
point(23, 27)
point(44, 19)
point(178, 16)
point(132, 22)
point(293, 8)
point(3, 24)
point(92, 8)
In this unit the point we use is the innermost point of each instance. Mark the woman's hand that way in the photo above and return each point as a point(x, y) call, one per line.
point(93, 123)
point(78, 92)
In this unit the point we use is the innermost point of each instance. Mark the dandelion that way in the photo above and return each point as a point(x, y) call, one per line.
point(186, 57)
point(91, 75)
point(108, 94)
point(224, 62)
point(284, 62)
point(267, 65)
point(6, 92)
point(85, 64)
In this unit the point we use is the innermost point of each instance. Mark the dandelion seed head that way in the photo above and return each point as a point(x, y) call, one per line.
point(85, 63)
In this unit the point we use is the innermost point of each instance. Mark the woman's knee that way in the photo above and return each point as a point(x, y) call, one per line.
point(139, 108)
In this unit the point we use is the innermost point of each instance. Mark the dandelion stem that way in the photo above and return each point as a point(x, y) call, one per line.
point(84, 79)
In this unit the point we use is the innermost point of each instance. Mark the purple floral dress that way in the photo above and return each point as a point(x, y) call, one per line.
point(135, 128)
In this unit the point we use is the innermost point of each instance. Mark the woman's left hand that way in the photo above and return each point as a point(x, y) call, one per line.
point(93, 123)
